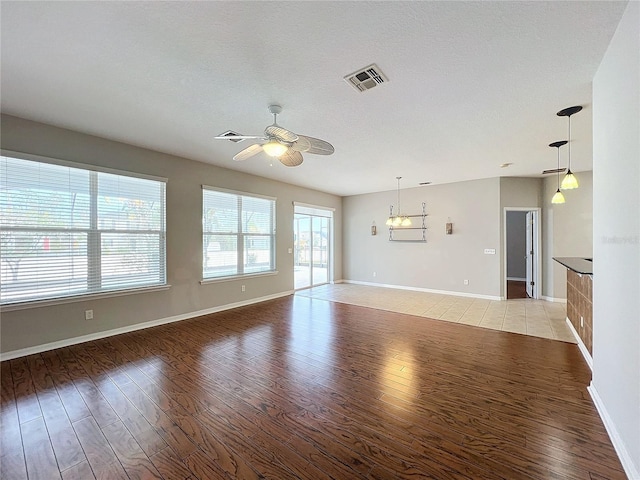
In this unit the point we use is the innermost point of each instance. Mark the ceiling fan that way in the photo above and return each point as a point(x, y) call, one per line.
point(281, 143)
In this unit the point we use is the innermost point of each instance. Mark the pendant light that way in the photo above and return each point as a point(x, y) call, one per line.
point(398, 220)
point(569, 182)
point(558, 197)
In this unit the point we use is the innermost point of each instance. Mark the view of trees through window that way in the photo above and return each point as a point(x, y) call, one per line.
point(238, 234)
point(67, 231)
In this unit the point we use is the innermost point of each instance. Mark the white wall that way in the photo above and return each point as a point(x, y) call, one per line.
point(445, 261)
point(568, 230)
point(36, 326)
point(616, 234)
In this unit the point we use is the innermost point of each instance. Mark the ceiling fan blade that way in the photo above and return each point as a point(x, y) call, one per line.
point(317, 146)
point(302, 144)
point(291, 158)
point(250, 151)
point(239, 137)
point(281, 134)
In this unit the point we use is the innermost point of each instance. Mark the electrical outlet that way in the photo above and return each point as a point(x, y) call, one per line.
point(466, 282)
point(489, 251)
point(581, 321)
point(88, 314)
point(290, 250)
point(243, 288)
point(374, 274)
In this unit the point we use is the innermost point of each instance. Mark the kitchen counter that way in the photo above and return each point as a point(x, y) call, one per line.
point(579, 265)
point(580, 300)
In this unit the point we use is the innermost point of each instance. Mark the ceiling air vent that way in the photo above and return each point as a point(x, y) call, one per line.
point(555, 170)
point(366, 78)
point(231, 133)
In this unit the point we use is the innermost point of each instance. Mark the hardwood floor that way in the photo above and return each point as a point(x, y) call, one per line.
point(516, 289)
point(304, 388)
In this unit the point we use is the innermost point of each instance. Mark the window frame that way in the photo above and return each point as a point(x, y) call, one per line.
point(94, 232)
point(241, 236)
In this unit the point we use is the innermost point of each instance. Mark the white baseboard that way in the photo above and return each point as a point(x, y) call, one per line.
point(581, 345)
point(131, 328)
point(426, 290)
point(553, 299)
point(517, 279)
point(632, 470)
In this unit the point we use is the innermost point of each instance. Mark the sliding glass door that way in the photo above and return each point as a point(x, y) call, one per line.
point(312, 246)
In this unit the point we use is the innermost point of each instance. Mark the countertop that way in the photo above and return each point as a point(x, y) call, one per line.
point(577, 264)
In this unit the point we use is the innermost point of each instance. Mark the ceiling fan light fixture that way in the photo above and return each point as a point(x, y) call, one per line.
point(281, 143)
point(273, 148)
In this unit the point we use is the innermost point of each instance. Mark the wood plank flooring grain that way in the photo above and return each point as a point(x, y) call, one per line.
point(67, 391)
point(307, 389)
point(38, 453)
point(131, 456)
point(80, 471)
point(99, 453)
point(28, 406)
point(12, 462)
point(170, 466)
point(66, 447)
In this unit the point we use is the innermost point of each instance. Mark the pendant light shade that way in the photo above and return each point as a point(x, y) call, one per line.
point(569, 182)
point(558, 197)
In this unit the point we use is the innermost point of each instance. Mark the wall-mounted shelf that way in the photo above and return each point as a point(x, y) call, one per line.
point(422, 229)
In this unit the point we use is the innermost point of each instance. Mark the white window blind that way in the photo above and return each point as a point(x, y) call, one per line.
point(68, 231)
point(239, 234)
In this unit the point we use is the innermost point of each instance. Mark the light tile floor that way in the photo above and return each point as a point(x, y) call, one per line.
point(537, 318)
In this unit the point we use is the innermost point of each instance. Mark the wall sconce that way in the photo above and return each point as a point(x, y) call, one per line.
point(373, 228)
point(448, 228)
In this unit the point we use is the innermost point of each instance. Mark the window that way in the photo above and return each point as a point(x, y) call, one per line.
point(69, 231)
point(238, 234)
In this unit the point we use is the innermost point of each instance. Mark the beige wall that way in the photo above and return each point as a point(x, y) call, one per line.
point(37, 326)
point(445, 261)
point(568, 231)
point(515, 192)
point(476, 209)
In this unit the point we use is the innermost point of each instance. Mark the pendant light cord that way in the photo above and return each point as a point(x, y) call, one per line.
point(569, 142)
point(559, 167)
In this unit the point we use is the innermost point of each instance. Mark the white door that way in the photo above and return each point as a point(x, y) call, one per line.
point(529, 254)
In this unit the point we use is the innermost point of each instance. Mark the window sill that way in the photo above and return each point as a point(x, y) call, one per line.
point(80, 298)
point(237, 277)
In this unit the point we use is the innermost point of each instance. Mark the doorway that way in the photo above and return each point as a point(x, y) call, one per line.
point(312, 242)
point(522, 260)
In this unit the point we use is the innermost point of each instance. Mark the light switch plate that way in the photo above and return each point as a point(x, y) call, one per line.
point(489, 251)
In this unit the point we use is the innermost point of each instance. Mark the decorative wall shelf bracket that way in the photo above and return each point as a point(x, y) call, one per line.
point(422, 229)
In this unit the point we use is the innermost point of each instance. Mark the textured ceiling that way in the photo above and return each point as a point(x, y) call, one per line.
point(471, 85)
